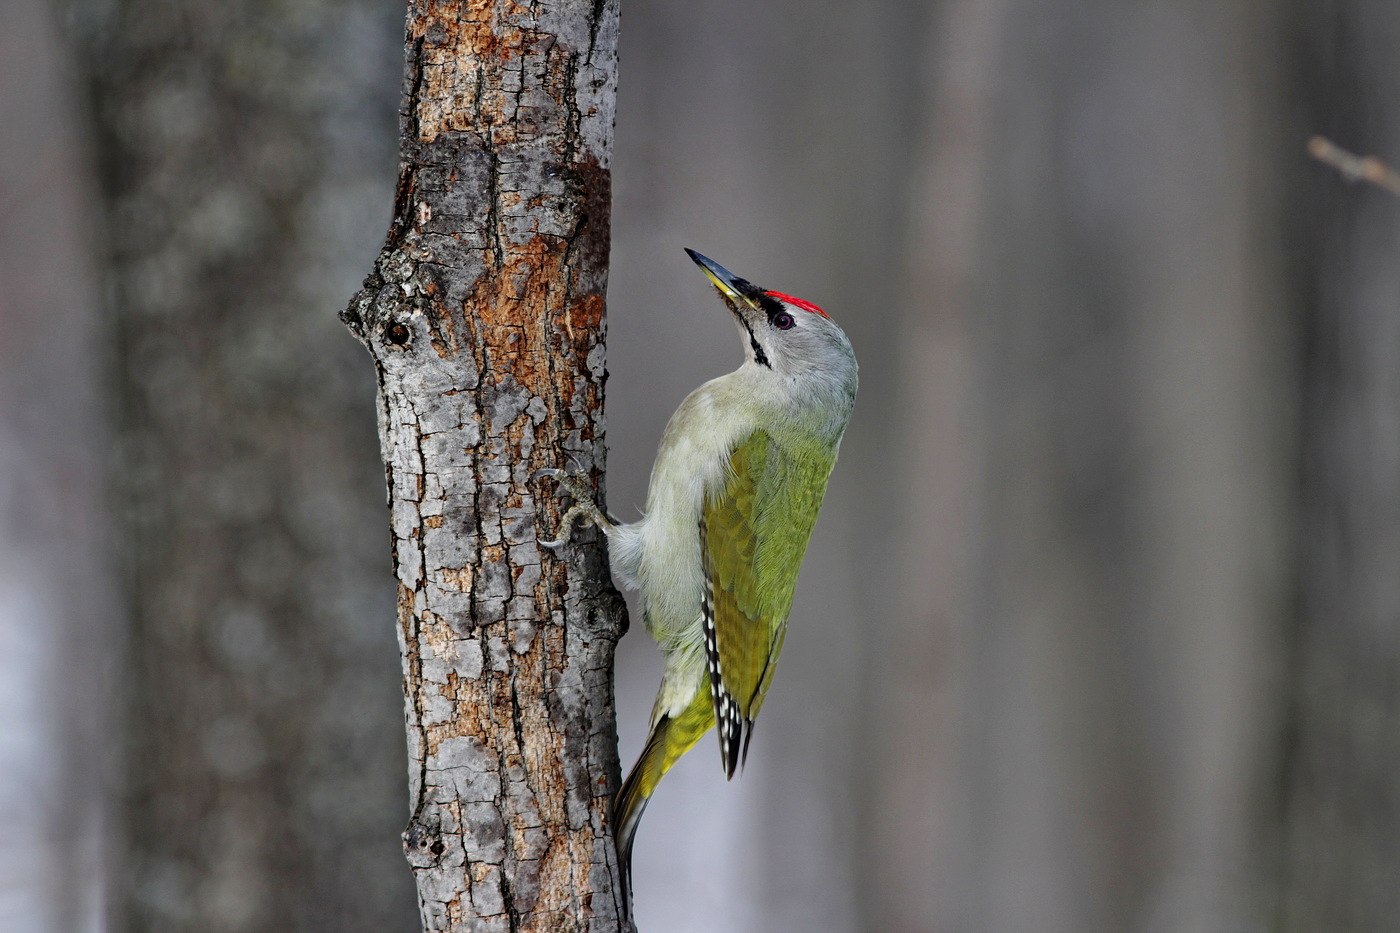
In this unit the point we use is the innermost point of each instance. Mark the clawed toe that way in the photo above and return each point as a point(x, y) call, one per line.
point(575, 483)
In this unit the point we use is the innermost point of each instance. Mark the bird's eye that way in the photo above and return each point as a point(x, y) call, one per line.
point(783, 321)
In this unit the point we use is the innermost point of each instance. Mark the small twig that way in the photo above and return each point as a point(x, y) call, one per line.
point(1354, 167)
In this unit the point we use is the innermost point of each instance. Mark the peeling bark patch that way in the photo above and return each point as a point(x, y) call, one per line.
point(485, 318)
point(459, 578)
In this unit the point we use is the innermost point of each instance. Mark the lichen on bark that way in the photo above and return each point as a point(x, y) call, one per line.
point(484, 316)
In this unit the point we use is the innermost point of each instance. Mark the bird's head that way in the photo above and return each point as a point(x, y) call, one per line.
point(790, 337)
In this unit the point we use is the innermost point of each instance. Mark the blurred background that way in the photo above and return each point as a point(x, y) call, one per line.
point(1100, 629)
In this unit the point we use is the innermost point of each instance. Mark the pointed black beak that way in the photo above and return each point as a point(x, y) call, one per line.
point(729, 284)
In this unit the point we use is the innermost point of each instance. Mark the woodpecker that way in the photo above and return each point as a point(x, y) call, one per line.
point(735, 489)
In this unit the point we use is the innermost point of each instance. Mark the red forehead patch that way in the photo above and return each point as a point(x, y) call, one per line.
point(802, 303)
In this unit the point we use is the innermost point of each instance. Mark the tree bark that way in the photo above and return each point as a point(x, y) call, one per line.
point(484, 316)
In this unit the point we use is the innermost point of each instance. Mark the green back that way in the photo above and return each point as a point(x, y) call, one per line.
point(755, 534)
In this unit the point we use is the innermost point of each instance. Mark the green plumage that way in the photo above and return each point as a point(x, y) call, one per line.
point(755, 533)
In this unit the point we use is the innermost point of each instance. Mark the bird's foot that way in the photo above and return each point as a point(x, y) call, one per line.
point(575, 483)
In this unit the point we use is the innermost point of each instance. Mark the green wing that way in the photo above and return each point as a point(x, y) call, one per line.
point(753, 536)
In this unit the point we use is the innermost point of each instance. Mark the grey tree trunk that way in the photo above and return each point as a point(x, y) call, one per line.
point(246, 157)
point(1338, 822)
point(1096, 379)
point(484, 316)
point(58, 631)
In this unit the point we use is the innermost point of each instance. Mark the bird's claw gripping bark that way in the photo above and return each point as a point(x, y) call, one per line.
point(575, 483)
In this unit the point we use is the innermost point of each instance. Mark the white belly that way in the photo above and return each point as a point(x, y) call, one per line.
point(660, 554)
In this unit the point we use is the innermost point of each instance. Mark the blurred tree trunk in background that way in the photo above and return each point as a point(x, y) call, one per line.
point(1095, 320)
point(59, 637)
point(1338, 854)
point(909, 881)
point(246, 183)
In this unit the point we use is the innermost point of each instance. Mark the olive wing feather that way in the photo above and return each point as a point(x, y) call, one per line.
point(753, 536)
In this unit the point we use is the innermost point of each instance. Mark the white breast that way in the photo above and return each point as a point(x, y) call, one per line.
point(692, 463)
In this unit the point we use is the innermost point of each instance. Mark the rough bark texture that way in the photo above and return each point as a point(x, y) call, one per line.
point(484, 316)
point(246, 157)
